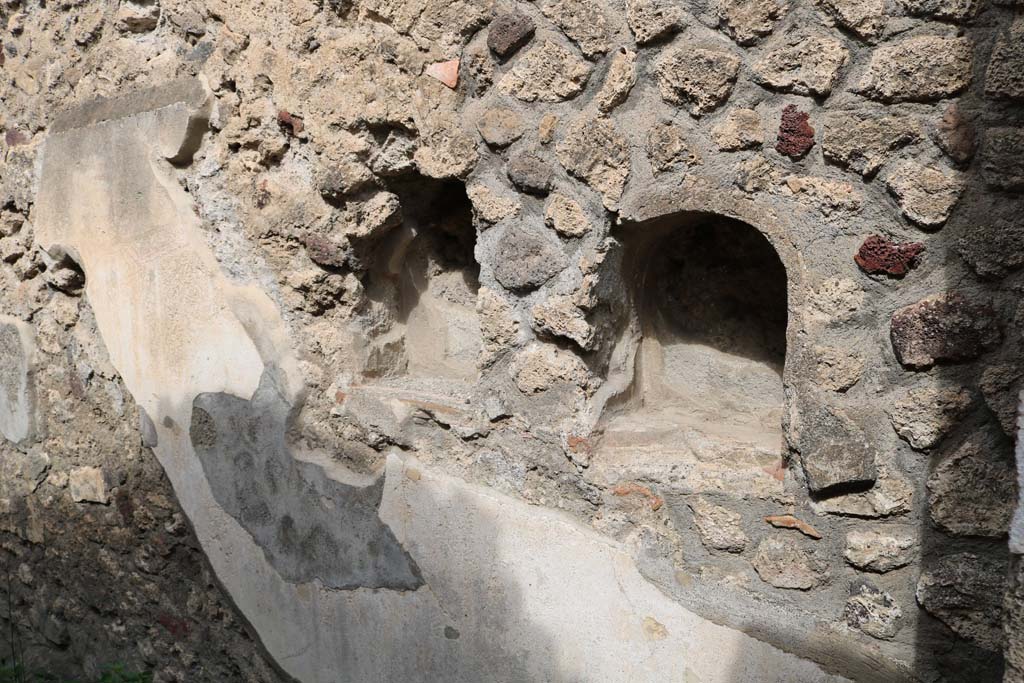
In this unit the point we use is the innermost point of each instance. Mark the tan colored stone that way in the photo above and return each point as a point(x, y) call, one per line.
point(696, 78)
point(560, 317)
point(923, 416)
point(926, 194)
point(499, 326)
point(595, 151)
point(973, 492)
point(566, 216)
point(541, 367)
point(652, 19)
point(500, 127)
point(741, 129)
point(880, 550)
point(668, 147)
point(866, 18)
point(619, 81)
point(584, 21)
point(1004, 77)
point(747, 21)
point(864, 140)
point(489, 206)
point(547, 72)
point(720, 528)
point(781, 562)
point(837, 369)
point(918, 69)
point(805, 64)
point(88, 485)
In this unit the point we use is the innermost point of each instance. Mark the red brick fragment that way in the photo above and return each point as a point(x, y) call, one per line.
point(881, 255)
point(290, 121)
point(796, 137)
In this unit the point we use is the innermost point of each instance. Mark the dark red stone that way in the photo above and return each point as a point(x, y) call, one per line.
point(881, 255)
point(290, 121)
point(796, 137)
point(943, 328)
point(324, 252)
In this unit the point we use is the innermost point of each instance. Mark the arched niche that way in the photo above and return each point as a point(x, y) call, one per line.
point(707, 305)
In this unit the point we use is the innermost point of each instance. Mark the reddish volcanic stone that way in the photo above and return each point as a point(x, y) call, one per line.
point(796, 137)
point(290, 121)
point(881, 255)
point(945, 327)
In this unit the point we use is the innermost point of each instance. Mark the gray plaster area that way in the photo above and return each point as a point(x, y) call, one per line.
point(309, 525)
point(17, 395)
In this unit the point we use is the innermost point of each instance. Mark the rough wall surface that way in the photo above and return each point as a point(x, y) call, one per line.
point(558, 340)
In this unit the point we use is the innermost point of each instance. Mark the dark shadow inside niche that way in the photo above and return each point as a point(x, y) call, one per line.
point(709, 312)
point(423, 287)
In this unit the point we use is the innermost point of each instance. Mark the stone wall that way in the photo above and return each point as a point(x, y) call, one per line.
point(470, 334)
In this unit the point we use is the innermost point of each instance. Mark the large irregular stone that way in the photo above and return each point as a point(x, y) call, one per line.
point(872, 611)
point(925, 415)
point(584, 21)
point(509, 32)
point(547, 72)
point(696, 78)
point(88, 485)
point(953, 10)
point(541, 367)
point(1004, 78)
point(918, 69)
point(824, 194)
point(878, 254)
point(530, 173)
point(653, 19)
point(741, 129)
point(943, 328)
point(880, 550)
point(747, 21)
point(891, 495)
point(490, 206)
point(833, 450)
point(1002, 158)
point(1001, 385)
point(499, 325)
point(526, 258)
point(837, 369)
point(863, 140)
point(566, 216)
point(720, 528)
point(865, 18)
point(17, 385)
point(560, 317)
point(500, 127)
point(926, 194)
point(796, 136)
point(596, 152)
point(954, 134)
point(668, 147)
point(973, 492)
point(619, 81)
point(991, 248)
point(805, 64)
point(965, 592)
point(782, 563)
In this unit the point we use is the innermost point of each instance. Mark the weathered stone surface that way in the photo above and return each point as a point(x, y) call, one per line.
point(891, 495)
point(954, 135)
point(17, 385)
point(500, 127)
point(595, 151)
point(720, 528)
point(741, 129)
point(878, 254)
point(918, 69)
point(499, 326)
point(973, 492)
point(1002, 158)
point(696, 78)
point(509, 32)
point(88, 485)
point(833, 450)
point(1000, 385)
point(584, 21)
point(547, 72)
point(542, 367)
point(668, 147)
point(805, 64)
point(137, 16)
point(526, 258)
point(865, 18)
point(943, 328)
point(864, 140)
point(954, 10)
point(825, 194)
point(965, 591)
point(653, 19)
point(566, 216)
point(926, 194)
point(991, 248)
point(1004, 77)
point(619, 81)
point(796, 136)
point(782, 563)
point(837, 369)
point(490, 206)
point(559, 316)
point(872, 611)
point(344, 177)
point(530, 173)
point(924, 416)
point(880, 550)
point(747, 21)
